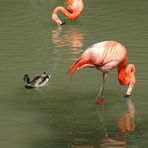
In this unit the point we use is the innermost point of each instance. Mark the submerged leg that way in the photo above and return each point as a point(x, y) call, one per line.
point(100, 97)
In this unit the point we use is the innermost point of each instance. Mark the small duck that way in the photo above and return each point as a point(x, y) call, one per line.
point(38, 81)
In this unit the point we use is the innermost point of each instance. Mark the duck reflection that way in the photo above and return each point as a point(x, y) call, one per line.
point(69, 38)
point(126, 123)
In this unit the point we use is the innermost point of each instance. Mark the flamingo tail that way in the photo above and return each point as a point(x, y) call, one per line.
point(77, 65)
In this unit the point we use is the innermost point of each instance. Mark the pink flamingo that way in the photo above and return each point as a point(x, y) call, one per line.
point(72, 11)
point(105, 56)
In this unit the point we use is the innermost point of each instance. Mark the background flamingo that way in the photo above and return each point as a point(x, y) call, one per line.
point(72, 11)
point(105, 56)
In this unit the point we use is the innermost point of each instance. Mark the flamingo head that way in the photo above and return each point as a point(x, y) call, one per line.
point(57, 20)
point(132, 80)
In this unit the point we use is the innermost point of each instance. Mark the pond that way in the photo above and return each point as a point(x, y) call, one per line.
point(64, 113)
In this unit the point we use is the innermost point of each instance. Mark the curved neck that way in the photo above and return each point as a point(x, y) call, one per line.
point(73, 15)
point(69, 15)
point(126, 76)
point(122, 75)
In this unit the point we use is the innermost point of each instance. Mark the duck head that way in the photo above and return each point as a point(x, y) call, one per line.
point(26, 79)
point(45, 74)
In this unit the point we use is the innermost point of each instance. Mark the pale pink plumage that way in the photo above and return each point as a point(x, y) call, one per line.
point(73, 10)
point(105, 56)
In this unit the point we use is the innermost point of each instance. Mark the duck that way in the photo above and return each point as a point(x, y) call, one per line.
point(36, 82)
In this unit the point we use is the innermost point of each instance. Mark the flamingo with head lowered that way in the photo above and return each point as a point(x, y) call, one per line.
point(105, 56)
point(72, 11)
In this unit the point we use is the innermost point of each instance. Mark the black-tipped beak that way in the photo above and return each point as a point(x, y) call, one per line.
point(63, 23)
point(126, 96)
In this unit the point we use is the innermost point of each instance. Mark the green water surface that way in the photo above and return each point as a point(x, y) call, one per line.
point(64, 114)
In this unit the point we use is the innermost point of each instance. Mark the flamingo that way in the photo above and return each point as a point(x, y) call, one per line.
point(105, 56)
point(72, 11)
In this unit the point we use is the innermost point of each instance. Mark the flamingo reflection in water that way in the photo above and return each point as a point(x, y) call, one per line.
point(126, 123)
point(69, 38)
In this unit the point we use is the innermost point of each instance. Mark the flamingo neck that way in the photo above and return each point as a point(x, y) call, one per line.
point(123, 77)
point(55, 16)
point(69, 15)
point(126, 76)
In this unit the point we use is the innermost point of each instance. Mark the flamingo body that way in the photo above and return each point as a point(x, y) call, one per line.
point(105, 56)
point(72, 11)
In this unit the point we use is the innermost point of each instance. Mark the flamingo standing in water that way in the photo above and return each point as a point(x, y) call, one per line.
point(105, 56)
point(72, 11)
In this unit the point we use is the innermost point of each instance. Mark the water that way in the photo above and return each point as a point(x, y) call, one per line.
point(64, 114)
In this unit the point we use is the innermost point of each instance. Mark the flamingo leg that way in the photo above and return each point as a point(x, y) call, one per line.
point(100, 97)
point(101, 92)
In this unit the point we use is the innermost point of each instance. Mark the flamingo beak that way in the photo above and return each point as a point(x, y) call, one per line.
point(63, 23)
point(126, 96)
